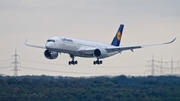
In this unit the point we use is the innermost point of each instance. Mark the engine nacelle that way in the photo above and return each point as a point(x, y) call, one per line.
point(50, 54)
point(100, 53)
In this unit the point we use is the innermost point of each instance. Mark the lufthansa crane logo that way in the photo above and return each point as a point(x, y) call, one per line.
point(119, 36)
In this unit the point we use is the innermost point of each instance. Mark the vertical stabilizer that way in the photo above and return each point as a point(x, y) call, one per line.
point(117, 39)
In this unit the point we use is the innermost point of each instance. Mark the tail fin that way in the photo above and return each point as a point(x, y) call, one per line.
point(117, 39)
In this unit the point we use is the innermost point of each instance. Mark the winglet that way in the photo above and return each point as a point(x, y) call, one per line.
point(25, 42)
point(170, 41)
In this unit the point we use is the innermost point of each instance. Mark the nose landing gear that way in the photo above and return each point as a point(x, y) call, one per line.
point(72, 62)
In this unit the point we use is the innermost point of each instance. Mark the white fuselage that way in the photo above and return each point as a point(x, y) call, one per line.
point(75, 46)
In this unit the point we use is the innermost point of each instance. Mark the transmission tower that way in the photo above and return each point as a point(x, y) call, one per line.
point(153, 65)
point(161, 67)
point(173, 69)
point(178, 66)
point(172, 65)
point(15, 63)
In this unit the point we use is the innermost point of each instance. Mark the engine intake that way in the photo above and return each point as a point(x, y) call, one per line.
point(50, 54)
point(100, 53)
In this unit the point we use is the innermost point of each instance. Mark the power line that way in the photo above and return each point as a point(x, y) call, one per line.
point(53, 70)
point(5, 67)
point(165, 67)
point(39, 62)
point(6, 60)
point(31, 68)
point(16, 64)
point(173, 69)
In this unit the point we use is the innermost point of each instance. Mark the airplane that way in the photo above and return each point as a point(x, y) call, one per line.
point(86, 49)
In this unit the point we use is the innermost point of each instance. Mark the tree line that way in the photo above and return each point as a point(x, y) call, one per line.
point(119, 88)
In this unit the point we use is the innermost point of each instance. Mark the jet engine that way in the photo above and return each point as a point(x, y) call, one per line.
point(100, 53)
point(50, 54)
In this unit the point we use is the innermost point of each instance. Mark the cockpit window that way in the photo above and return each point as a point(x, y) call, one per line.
point(50, 40)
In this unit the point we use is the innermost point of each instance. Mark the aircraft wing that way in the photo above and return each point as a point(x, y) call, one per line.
point(43, 47)
point(120, 49)
point(87, 50)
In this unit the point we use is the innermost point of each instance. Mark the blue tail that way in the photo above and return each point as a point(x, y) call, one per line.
point(117, 39)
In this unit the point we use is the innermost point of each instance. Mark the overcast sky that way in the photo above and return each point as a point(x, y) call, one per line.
point(146, 22)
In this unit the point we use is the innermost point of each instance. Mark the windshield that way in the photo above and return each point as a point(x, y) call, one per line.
point(50, 40)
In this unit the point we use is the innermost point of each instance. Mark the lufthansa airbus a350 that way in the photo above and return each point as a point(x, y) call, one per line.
point(86, 49)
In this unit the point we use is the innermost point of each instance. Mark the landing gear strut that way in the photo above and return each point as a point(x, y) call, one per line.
point(72, 62)
point(97, 62)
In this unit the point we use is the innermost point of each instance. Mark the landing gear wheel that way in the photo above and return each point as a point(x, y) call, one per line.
point(100, 62)
point(72, 62)
point(94, 62)
point(69, 62)
point(75, 62)
point(97, 62)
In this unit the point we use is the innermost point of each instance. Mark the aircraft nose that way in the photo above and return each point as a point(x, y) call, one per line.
point(48, 45)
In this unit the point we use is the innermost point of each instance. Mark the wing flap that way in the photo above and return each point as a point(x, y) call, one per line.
point(120, 49)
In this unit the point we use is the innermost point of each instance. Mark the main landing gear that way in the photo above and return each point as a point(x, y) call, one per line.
point(97, 62)
point(72, 62)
